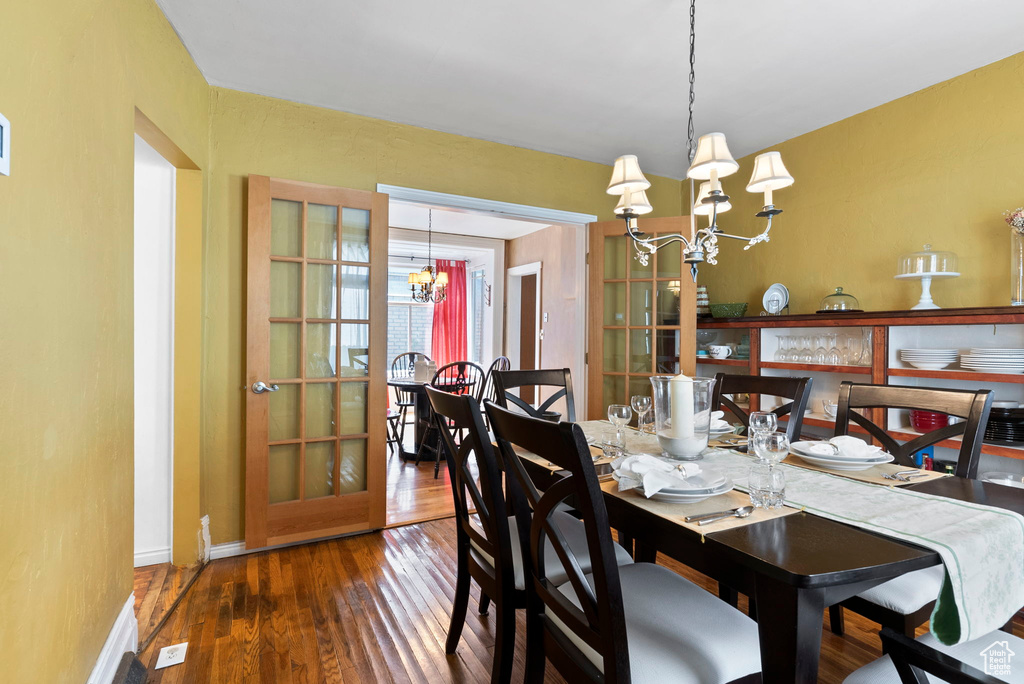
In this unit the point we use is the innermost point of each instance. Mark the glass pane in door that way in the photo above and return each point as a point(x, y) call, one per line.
point(352, 457)
point(286, 228)
point(321, 291)
point(319, 469)
point(283, 473)
point(321, 231)
point(355, 234)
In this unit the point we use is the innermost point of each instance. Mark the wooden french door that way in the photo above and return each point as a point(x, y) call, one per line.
point(316, 337)
point(643, 319)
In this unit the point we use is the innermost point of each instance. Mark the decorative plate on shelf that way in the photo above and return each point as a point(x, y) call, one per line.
point(775, 299)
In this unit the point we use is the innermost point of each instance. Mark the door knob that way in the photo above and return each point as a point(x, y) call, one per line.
point(259, 387)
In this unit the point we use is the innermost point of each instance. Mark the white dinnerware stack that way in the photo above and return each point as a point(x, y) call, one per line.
point(928, 359)
point(994, 360)
point(841, 453)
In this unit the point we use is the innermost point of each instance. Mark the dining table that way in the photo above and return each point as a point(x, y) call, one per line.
point(421, 411)
point(794, 565)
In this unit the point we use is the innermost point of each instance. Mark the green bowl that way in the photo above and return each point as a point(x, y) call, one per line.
point(730, 310)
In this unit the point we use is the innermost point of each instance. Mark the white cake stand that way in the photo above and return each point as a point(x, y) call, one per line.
point(926, 286)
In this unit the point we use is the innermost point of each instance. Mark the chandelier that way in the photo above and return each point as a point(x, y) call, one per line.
point(710, 161)
point(428, 285)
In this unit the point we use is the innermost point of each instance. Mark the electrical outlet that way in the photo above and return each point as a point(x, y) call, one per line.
point(171, 655)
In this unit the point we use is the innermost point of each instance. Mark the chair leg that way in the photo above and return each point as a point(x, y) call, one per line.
point(728, 594)
point(836, 621)
point(485, 603)
point(459, 606)
point(437, 461)
point(423, 444)
point(535, 658)
point(752, 608)
point(504, 644)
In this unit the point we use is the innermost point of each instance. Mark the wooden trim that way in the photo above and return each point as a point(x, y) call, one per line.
point(968, 316)
point(745, 363)
point(377, 398)
point(879, 364)
point(817, 367)
point(970, 376)
point(520, 211)
point(158, 140)
point(257, 362)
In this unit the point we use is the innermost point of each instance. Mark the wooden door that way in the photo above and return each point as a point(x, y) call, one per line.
point(643, 319)
point(315, 446)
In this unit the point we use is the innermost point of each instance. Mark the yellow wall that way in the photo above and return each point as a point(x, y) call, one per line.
point(261, 135)
point(71, 74)
point(939, 166)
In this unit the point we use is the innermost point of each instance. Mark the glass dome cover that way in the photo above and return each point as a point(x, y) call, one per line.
point(840, 301)
point(928, 262)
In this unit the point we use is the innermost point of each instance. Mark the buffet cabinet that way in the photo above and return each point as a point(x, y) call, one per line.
point(871, 342)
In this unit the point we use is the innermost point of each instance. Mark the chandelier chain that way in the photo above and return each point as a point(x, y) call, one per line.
point(690, 135)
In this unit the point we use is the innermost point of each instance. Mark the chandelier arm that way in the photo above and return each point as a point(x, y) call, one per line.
point(656, 241)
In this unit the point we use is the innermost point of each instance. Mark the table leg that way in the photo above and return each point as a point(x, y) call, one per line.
point(421, 411)
point(789, 627)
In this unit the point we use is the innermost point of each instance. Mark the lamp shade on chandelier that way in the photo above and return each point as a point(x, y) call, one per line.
point(710, 161)
point(428, 285)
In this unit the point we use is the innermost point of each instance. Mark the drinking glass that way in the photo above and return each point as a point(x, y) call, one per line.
point(770, 447)
point(767, 486)
point(619, 415)
point(762, 422)
point(865, 347)
point(806, 352)
point(844, 350)
point(781, 354)
point(820, 352)
point(641, 403)
point(834, 357)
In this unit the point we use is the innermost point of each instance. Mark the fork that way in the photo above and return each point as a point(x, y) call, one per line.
point(903, 476)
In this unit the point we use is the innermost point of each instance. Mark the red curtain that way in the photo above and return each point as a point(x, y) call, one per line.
point(448, 341)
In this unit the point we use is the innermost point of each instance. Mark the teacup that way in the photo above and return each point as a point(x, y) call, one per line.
point(829, 407)
point(719, 351)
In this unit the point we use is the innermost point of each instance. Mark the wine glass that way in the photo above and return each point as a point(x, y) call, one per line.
point(820, 352)
point(806, 352)
point(782, 353)
point(834, 357)
point(619, 415)
point(771, 447)
point(641, 403)
point(763, 421)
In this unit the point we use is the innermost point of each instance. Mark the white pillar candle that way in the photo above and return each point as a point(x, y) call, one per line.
point(681, 391)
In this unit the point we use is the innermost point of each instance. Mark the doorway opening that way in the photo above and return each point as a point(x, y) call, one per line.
point(524, 320)
point(482, 235)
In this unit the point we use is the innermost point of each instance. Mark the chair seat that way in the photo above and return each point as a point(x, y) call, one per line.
point(676, 631)
point(882, 671)
point(908, 593)
point(575, 534)
point(393, 414)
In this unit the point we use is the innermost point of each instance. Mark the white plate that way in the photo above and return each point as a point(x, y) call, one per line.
point(939, 365)
point(844, 465)
point(777, 291)
point(800, 449)
point(712, 483)
point(668, 497)
point(995, 350)
point(719, 433)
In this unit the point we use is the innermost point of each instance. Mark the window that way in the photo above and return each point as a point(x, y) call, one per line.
point(409, 322)
point(475, 311)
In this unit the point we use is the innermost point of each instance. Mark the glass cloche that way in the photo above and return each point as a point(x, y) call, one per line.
point(840, 301)
point(928, 262)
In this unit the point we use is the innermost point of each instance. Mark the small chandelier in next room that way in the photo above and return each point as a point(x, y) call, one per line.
point(428, 285)
point(710, 161)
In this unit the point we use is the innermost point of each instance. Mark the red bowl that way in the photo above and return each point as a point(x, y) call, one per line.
point(926, 421)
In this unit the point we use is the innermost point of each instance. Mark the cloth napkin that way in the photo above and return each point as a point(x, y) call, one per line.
point(855, 449)
point(653, 473)
point(717, 422)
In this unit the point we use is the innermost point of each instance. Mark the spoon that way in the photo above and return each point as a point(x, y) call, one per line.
point(741, 512)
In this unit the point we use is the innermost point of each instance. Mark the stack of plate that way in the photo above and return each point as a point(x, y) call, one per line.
point(839, 461)
point(928, 359)
point(706, 484)
point(994, 360)
point(1005, 426)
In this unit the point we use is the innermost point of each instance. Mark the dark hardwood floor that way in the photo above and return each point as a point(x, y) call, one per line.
point(413, 493)
point(156, 587)
point(370, 608)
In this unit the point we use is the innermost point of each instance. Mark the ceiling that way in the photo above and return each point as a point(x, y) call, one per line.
point(594, 79)
point(457, 222)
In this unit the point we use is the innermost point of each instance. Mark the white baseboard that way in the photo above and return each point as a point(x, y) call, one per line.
point(123, 636)
point(152, 557)
point(227, 550)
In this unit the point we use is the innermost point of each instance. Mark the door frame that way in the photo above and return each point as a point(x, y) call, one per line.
point(186, 512)
point(513, 311)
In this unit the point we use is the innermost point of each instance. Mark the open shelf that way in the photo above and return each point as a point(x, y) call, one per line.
point(817, 367)
point(969, 376)
point(908, 433)
point(743, 363)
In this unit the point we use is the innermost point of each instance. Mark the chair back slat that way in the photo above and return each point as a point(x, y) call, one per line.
point(973, 406)
point(459, 377)
point(798, 390)
point(506, 382)
point(502, 363)
point(913, 659)
point(403, 367)
point(599, 624)
point(461, 413)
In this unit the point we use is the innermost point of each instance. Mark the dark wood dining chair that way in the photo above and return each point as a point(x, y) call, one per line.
point(402, 367)
point(908, 660)
point(631, 623)
point(489, 542)
point(506, 382)
point(459, 377)
point(797, 390)
point(905, 602)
